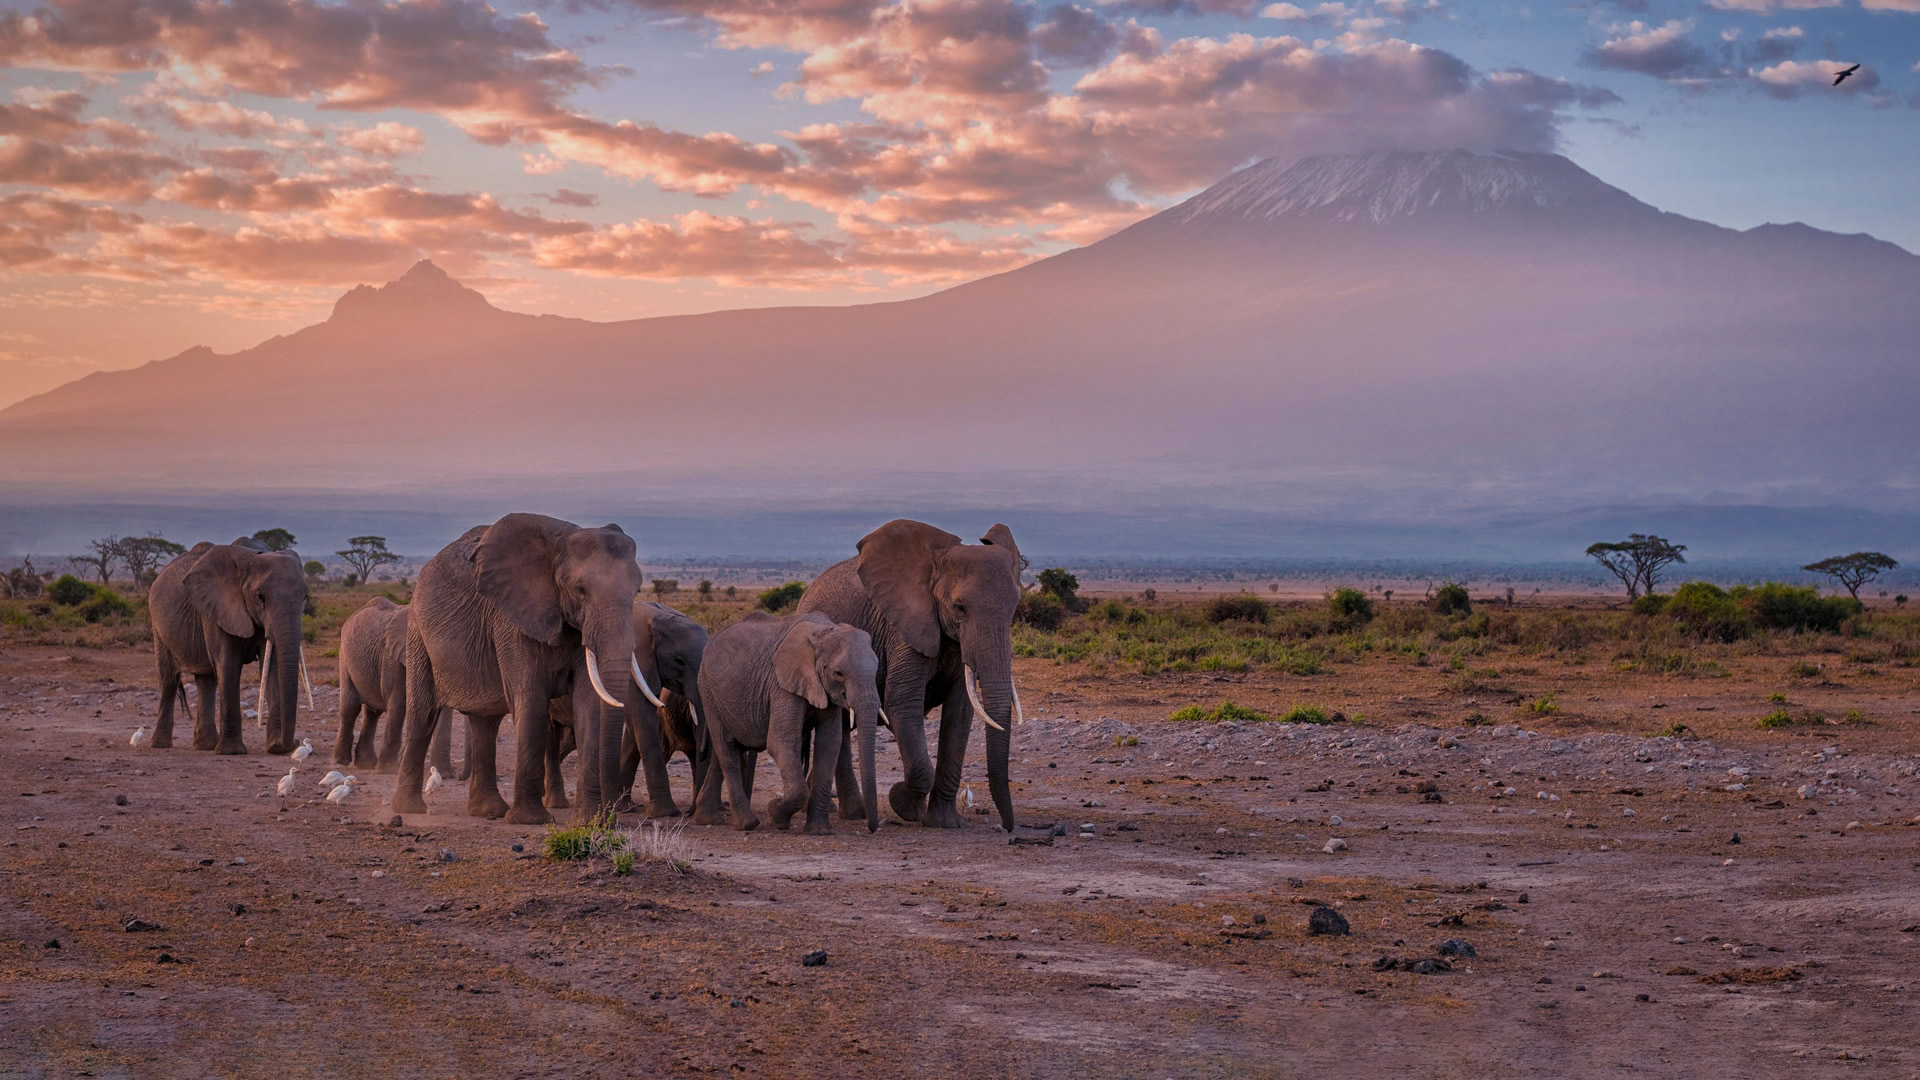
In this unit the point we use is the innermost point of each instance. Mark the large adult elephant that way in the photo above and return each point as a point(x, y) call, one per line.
point(214, 610)
point(373, 685)
point(668, 646)
point(504, 619)
point(941, 616)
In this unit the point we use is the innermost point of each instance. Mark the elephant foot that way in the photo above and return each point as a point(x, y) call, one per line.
point(662, 810)
point(409, 802)
point(624, 804)
point(942, 815)
point(492, 807)
point(556, 800)
point(706, 817)
point(463, 773)
point(388, 767)
point(852, 811)
point(747, 824)
point(820, 826)
point(205, 742)
point(162, 741)
point(906, 805)
point(230, 746)
point(342, 757)
point(277, 749)
point(523, 814)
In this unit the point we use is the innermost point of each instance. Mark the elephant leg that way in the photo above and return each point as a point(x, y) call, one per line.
point(232, 736)
point(737, 764)
point(206, 730)
point(827, 740)
point(907, 710)
point(442, 745)
point(350, 707)
point(464, 770)
point(706, 791)
point(483, 791)
point(559, 745)
point(531, 724)
point(416, 716)
point(749, 761)
point(956, 721)
point(391, 754)
point(365, 753)
point(643, 725)
point(169, 691)
point(629, 769)
point(848, 784)
point(786, 743)
point(702, 766)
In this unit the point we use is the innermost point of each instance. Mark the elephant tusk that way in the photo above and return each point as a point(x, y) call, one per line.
point(266, 658)
point(1019, 714)
point(695, 710)
point(849, 713)
point(593, 674)
point(973, 695)
point(640, 679)
point(308, 681)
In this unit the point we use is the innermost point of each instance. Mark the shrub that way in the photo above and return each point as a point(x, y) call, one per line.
point(1650, 604)
point(1350, 606)
point(782, 597)
point(69, 590)
point(1309, 714)
point(104, 604)
point(1709, 611)
point(1452, 599)
point(315, 568)
point(1778, 718)
point(1545, 706)
point(1229, 712)
point(1777, 606)
point(575, 843)
point(666, 586)
point(1244, 607)
point(1059, 583)
point(1042, 611)
point(623, 863)
point(1190, 714)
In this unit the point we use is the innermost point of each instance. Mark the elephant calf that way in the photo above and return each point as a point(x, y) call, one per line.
point(768, 683)
point(373, 680)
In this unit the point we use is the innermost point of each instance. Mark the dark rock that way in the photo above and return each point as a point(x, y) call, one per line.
point(1735, 840)
point(816, 958)
point(1643, 997)
point(395, 821)
point(1259, 917)
point(237, 908)
point(53, 943)
point(519, 848)
point(1427, 967)
point(1296, 883)
point(1325, 920)
point(448, 855)
point(1386, 963)
point(1522, 898)
point(1058, 829)
point(1455, 947)
point(737, 1004)
point(165, 958)
point(119, 800)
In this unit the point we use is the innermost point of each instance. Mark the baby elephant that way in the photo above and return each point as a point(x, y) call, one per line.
point(373, 681)
point(768, 684)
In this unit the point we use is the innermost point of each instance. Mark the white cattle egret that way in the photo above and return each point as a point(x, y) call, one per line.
point(303, 751)
point(434, 780)
point(333, 777)
point(139, 738)
point(339, 795)
point(286, 783)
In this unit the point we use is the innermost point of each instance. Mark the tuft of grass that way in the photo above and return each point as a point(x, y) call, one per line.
point(1778, 718)
point(1227, 712)
point(1309, 714)
point(1545, 705)
point(1192, 714)
point(1857, 718)
point(1802, 669)
point(1674, 730)
point(623, 864)
point(592, 839)
point(1477, 720)
point(1126, 740)
point(1776, 698)
point(668, 845)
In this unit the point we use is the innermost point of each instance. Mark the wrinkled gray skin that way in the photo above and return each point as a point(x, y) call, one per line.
point(668, 646)
point(768, 684)
point(213, 611)
point(501, 621)
point(933, 606)
point(373, 679)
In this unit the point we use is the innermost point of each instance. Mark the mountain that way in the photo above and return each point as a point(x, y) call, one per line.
point(1407, 337)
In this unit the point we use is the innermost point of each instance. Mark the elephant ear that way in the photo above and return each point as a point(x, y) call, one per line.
point(794, 668)
point(514, 569)
point(897, 566)
point(1002, 537)
point(215, 586)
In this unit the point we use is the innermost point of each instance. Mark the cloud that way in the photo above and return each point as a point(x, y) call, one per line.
point(1789, 78)
point(96, 172)
point(48, 115)
point(1766, 7)
point(386, 139)
point(1778, 43)
point(570, 197)
point(1910, 6)
point(224, 118)
point(1664, 51)
point(1328, 14)
point(297, 254)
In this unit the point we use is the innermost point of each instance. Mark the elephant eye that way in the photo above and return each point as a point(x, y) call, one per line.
point(959, 607)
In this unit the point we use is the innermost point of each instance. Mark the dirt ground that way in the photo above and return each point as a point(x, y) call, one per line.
point(1743, 903)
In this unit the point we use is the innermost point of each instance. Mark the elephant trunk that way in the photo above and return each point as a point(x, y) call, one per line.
point(991, 665)
point(866, 718)
point(609, 657)
point(282, 696)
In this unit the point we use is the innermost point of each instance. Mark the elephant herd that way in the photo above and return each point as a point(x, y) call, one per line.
point(541, 619)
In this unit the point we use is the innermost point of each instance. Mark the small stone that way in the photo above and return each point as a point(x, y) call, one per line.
point(1336, 821)
point(379, 873)
point(119, 800)
point(519, 848)
point(1425, 966)
point(1643, 997)
point(1333, 845)
point(1735, 840)
point(1855, 825)
point(1325, 920)
point(1259, 918)
point(448, 855)
point(395, 821)
point(816, 958)
point(737, 1004)
point(138, 926)
point(53, 943)
point(1455, 947)
point(1522, 899)
point(1552, 946)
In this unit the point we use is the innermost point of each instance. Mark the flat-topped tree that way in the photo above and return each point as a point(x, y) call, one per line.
point(1855, 570)
point(144, 555)
point(1637, 560)
point(364, 553)
point(276, 539)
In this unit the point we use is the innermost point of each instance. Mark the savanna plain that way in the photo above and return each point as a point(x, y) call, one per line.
point(1564, 838)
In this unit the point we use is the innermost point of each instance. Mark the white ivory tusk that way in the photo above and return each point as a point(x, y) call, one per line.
point(641, 680)
point(266, 658)
point(309, 682)
point(973, 695)
point(593, 675)
point(1019, 714)
point(695, 710)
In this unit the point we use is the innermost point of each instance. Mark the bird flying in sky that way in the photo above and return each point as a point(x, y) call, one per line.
point(1841, 76)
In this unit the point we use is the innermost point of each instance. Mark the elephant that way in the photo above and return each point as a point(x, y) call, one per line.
point(668, 646)
point(373, 646)
point(504, 619)
point(769, 683)
point(214, 610)
point(941, 616)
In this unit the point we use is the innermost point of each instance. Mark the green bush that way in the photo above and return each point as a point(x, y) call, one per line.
point(1709, 611)
point(782, 597)
point(105, 604)
point(1350, 606)
point(1650, 604)
point(1309, 714)
point(1777, 606)
point(1110, 610)
point(1042, 611)
point(1243, 607)
point(69, 590)
point(1452, 599)
point(1060, 583)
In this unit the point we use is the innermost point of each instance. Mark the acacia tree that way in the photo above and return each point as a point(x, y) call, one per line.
point(1637, 560)
point(102, 554)
point(363, 553)
point(1855, 570)
point(143, 555)
point(275, 539)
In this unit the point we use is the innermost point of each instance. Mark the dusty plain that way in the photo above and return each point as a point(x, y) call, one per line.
point(1724, 901)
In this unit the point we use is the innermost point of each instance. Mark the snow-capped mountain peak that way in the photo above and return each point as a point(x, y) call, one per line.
point(1376, 188)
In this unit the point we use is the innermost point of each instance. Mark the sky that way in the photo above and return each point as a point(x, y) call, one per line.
point(204, 172)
